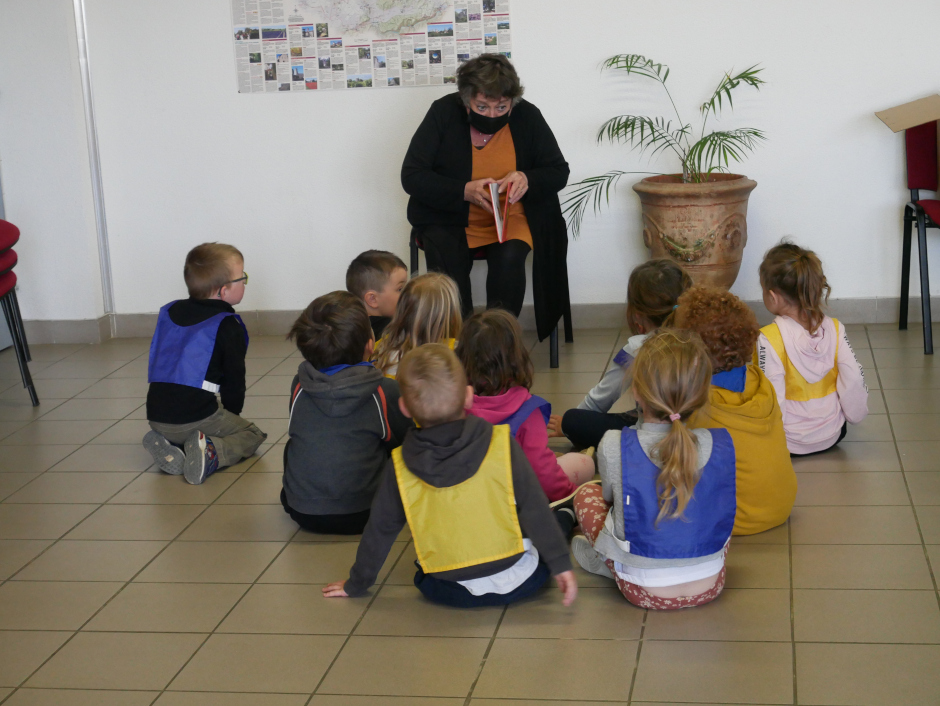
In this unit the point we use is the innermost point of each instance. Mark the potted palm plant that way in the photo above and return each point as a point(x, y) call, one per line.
point(698, 217)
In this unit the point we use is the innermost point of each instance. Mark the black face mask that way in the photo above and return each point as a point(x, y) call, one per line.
point(488, 126)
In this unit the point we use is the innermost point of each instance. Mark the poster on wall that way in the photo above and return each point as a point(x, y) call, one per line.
point(308, 45)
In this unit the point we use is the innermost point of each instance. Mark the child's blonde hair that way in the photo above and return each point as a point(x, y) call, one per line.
point(208, 268)
point(428, 312)
point(671, 375)
point(433, 384)
point(493, 353)
point(652, 292)
point(797, 275)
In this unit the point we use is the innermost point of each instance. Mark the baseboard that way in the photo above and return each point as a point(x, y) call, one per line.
point(874, 310)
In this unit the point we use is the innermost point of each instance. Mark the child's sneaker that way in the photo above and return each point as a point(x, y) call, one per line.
point(588, 558)
point(168, 458)
point(201, 458)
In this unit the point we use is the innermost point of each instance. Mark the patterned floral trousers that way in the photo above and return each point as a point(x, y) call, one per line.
point(591, 510)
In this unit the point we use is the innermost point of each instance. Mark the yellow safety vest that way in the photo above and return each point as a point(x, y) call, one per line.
point(470, 523)
point(797, 388)
point(449, 342)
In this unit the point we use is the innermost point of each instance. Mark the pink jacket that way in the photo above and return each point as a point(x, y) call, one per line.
point(815, 425)
point(532, 437)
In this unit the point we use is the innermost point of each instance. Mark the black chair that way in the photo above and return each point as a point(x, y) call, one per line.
point(921, 148)
point(9, 235)
point(415, 245)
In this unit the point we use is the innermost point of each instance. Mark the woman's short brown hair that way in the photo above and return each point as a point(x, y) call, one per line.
point(333, 330)
point(208, 268)
point(493, 75)
point(493, 353)
point(726, 324)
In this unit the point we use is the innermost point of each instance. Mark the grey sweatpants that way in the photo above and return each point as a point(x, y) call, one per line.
point(234, 438)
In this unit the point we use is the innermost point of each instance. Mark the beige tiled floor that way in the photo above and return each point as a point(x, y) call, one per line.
point(120, 586)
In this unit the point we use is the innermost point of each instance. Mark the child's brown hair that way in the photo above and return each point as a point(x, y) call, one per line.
point(725, 323)
point(370, 271)
point(428, 312)
point(797, 275)
point(671, 375)
point(493, 353)
point(433, 384)
point(652, 292)
point(208, 268)
point(334, 329)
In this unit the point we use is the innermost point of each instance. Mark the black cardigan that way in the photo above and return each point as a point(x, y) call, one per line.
point(439, 163)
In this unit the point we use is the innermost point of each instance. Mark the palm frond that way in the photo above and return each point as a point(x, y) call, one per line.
point(593, 190)
point(638, 64)
point(748, 77)
point(645, 133)
point(717, 150)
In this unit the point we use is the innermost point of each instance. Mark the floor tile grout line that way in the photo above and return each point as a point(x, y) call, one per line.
point(486, 654)
point(213, 632)
point(907, 487)
point(106, 603)
point(352, 630)
point(639, 653)
point(792, 610)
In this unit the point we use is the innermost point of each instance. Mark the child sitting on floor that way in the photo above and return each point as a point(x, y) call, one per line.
point(428, 311)
point(198, 351)
point(344, 419)
point(652, 292)
point(481, 526)
point(660, 522)
point(377, 277)
point(742, 400)
point(498, 367)
point(806, 355)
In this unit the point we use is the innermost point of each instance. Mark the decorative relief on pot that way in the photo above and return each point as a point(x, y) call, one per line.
point(702, 227)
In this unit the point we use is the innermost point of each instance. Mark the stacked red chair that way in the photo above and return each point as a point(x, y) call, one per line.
point(921, 147)
point(9, 235)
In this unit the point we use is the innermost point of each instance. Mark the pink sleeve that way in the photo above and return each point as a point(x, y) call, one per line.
point(533, 438)
point(772, 367)
point(850, 385)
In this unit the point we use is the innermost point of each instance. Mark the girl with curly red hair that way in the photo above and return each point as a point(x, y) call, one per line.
point(743, 401)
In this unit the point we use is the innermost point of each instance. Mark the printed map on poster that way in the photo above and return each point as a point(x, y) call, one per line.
point(305, 45)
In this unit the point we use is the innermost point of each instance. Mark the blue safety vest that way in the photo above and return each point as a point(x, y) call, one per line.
point(708, 519)
point(517, 418)
point(181, 354)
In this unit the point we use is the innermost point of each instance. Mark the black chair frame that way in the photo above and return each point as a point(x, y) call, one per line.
point(11, 311)
point(914, 213)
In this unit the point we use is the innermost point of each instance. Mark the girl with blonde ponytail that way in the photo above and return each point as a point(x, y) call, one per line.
point(660, 522)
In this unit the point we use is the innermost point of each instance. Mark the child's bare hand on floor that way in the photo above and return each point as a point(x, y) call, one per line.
point(554, 426)
point(335, 590)
point(568, 585)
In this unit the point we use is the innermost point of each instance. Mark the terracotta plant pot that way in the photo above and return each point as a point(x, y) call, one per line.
point(703, 227)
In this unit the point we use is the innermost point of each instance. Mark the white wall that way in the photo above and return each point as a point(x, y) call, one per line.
point(44, 161)
point(303, 182)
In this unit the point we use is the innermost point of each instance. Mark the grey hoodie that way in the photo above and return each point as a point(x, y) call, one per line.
point(443, 456)
point(341, 434)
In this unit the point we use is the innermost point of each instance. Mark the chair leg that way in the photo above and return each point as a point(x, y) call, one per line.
point(18, 346)
point(19, 324)
point(413, 246)
point(905, 269)
point(569, 329)
point(553, 348)
point(924, 281)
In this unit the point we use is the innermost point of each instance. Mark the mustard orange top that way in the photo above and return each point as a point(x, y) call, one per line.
point(496, 159)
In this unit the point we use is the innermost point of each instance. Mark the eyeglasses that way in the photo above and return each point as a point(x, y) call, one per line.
point(243, 278)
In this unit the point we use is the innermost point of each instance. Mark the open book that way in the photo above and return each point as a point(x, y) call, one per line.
point(501, 223)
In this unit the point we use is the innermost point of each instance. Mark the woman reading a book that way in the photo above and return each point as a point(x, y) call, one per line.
point(485, 134)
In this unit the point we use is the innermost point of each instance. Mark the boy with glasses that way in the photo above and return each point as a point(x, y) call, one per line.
point(198, 352)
